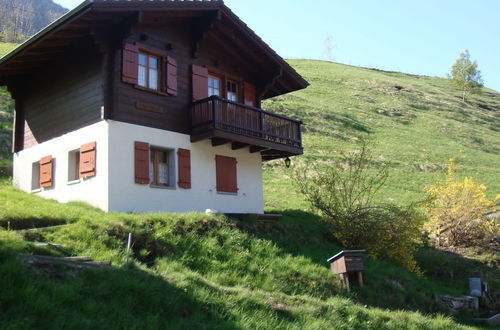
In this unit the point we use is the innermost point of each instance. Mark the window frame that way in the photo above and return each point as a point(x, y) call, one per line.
point(154, 152)
point(74, 166)
point(221, 84)
point(35, 177)
point(159, 70)
point(237, 85)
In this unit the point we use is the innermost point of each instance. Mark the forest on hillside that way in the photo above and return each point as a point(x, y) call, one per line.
point(20, 19)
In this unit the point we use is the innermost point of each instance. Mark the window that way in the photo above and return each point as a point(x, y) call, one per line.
point(148, 75)
point(74, 165)
point(232, 91)
point(161, 167)
point(35, 176)
point(214, 86)
point(225, 168)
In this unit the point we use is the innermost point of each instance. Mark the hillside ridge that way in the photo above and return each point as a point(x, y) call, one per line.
point(20, 19)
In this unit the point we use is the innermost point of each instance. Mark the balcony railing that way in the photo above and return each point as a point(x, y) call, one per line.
point(214, 113)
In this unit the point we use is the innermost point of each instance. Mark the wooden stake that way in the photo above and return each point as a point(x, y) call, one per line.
point(360, 278)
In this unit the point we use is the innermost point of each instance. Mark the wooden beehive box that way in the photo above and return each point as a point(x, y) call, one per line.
point(347, 261)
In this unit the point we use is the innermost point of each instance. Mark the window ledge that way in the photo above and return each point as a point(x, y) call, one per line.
point(161, 187)
point(37, 190)
point(74, 182)
point(227, 193)
point(154, 91)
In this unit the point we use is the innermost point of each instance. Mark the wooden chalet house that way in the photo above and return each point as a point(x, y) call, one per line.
point(145, 106)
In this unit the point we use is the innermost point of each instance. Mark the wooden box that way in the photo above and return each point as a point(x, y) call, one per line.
point(347, 261)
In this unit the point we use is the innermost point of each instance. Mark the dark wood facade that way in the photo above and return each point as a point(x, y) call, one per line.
point(71, 75)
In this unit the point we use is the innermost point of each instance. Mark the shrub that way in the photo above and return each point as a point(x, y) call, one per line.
point(344, 192)
point(456, 209)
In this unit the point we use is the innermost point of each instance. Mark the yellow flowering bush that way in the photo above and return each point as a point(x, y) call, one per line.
point(456, 209)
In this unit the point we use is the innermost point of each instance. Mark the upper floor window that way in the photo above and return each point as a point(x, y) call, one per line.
point(214, 86)
point(148, 75)
point(232, 91)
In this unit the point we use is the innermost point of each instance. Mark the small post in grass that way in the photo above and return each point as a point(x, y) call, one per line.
point(8, 225)
point(128, 246)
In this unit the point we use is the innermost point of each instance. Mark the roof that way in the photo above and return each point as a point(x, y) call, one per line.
point(345, 253)
point(100, 13)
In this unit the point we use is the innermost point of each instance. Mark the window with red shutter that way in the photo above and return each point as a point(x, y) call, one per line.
point(46, 168)
point(249, 91)
point(200, 82)
point(130, 67)
point(170, 76)
point(226, 174)
point(87, 157)
point(141, 162)
point(184, 164)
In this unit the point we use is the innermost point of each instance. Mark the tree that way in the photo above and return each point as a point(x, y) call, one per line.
point(466, 76)
point(344, 193)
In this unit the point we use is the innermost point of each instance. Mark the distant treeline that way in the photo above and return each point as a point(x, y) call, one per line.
point(20, 19)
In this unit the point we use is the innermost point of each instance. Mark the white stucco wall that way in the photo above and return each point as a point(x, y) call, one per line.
point(92, 190)
point(114, 188)
point(127, 196)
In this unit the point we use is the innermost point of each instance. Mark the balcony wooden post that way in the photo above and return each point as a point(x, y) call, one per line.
point(214, 111)
point(261, 124)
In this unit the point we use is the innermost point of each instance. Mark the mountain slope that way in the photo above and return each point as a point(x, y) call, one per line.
point(416, 122)
point(20, 19)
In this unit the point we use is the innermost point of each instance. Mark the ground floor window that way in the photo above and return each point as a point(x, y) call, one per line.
point(74, 165)
point(35, 176)
point(226, 174)
point(161, 167)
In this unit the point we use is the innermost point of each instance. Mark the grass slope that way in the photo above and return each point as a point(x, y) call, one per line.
point(198, 271)
point(417, 123)
point(6, 47)
point(6, 111)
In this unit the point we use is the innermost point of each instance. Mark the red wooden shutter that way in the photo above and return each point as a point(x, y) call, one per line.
point(87, 160)
point(130, 66)
point(249, 91)
point(141, 162)
point(226, 174)
point(170, 75)
point(200, 82)
point(184, 163)
point(46, 167)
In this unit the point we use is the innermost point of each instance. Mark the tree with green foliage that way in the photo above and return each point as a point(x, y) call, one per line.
point(466, 76)
point(344, 193)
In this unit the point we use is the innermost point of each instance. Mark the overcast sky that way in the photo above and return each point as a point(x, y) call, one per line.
point(420, 37)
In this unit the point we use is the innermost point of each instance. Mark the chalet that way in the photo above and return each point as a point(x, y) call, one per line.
point(146, 106)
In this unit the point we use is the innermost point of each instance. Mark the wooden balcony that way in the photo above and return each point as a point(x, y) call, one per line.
point(224, 121)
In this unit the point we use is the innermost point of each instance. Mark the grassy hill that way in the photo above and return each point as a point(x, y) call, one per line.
point(416, 122)
point(198, 271)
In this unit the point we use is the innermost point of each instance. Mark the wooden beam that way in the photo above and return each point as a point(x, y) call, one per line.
point(238, 145)
point(218, 142)
point(255, 149)
point(202, 27)
point(241, 59)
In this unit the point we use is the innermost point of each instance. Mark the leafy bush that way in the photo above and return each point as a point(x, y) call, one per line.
point(456, 209)
point(344, 193)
